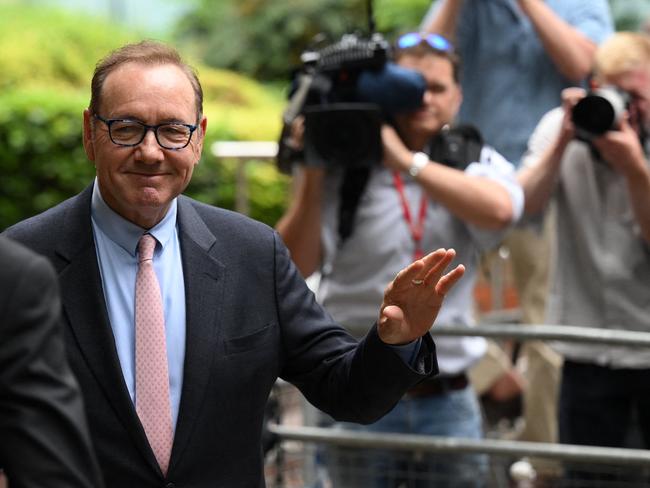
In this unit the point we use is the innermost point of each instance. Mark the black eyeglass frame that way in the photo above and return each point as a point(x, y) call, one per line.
point(147, 128)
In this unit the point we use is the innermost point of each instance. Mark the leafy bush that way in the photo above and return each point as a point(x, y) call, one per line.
point(264, 38)
point(45, 47)
point(41, 155)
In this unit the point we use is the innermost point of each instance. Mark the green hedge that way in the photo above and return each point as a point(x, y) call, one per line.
point(41, 156)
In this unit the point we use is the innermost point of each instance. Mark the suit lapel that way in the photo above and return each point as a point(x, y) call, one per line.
point(85, 308)
point(203, 276)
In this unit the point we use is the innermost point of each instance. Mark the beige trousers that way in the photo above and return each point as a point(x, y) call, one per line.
point(529, 260)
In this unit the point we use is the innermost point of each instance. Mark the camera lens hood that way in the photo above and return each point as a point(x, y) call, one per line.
point(599, 111)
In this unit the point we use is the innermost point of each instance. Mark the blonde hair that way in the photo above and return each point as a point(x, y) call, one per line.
point(622, 52)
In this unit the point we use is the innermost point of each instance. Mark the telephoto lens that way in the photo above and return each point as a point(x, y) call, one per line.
point(599, 112)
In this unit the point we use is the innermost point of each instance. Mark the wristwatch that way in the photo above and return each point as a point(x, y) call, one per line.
point(419, 161)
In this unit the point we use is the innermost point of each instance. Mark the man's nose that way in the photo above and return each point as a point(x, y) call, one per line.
point(427, 97)
point(149, 149)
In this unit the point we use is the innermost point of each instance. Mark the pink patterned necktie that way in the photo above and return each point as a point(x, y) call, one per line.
point(151, 372)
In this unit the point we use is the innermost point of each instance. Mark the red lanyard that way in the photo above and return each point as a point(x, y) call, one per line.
point(416, 228)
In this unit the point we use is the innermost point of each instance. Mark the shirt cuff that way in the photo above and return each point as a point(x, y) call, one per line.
point(409, 352)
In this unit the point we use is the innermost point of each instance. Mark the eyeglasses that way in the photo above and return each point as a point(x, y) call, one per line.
point(434, 40)
point(125, 132)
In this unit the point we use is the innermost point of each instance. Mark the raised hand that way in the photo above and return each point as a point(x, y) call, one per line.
point(622, 150)
point(413, 299)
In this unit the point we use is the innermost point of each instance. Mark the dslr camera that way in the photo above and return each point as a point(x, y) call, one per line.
point(599, 111)
point(345, 91)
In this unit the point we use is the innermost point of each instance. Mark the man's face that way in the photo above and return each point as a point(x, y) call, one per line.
point(139, 182)
point(441, 100)
point(636, 82)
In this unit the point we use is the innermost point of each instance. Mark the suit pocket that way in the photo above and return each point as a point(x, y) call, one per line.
point(249, 342)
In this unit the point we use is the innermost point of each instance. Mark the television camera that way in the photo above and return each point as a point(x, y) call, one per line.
point(345, 91)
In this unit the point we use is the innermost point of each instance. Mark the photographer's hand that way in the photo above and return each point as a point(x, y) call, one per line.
point(297, 133)
point(570, 97)
point(413, 299)
point(622, 150)
point(546, 149)
point(396, 155)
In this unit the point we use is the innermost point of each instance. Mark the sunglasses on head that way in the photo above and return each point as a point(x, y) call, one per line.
point(434, 40)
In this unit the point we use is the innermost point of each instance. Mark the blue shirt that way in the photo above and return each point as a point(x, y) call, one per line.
point(507, 78)
point(116, 240)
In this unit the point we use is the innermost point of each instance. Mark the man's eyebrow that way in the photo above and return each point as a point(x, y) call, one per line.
point(435, 85)
point(134, 118)
point(124, 117)
point(171, 120)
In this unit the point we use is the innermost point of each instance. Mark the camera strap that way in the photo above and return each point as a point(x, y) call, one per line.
point(416, 228)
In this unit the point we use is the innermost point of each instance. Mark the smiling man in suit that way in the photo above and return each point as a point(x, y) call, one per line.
point(179, 317)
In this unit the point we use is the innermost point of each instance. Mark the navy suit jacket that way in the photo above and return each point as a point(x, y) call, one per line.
point(250, 319)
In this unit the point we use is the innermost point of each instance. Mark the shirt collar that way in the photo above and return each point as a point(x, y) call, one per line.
point(124, 233)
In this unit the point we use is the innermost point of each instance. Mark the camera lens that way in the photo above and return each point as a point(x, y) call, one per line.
point(594, 114)
point(598, 112)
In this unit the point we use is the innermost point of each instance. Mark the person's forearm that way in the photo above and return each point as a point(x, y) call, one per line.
point(300, 226)
point(570, 50)
point(446, 20)
point(539, 181)
point(475, 200)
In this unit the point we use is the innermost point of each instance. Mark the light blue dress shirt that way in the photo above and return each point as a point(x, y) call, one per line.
point(116, 240)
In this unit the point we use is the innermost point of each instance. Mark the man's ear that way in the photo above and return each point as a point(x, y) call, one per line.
point(458, 99)
point(203, 125)
point(89, 144)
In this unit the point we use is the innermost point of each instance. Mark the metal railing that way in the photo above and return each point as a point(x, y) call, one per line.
point(564, 452)
point(548, 332)
point(422, 443)
point(596, 456)
point(242, 152)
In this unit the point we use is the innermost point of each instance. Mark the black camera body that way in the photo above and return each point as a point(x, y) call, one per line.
point(345, 91)
point(599, 111)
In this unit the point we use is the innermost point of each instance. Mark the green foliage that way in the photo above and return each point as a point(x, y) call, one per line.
point(48, 59)
point(45, 47)
point(630, 14)
point(264, 38)
point(240, 107)
point(214, 182)
point(398, 16)
point(41, 155)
